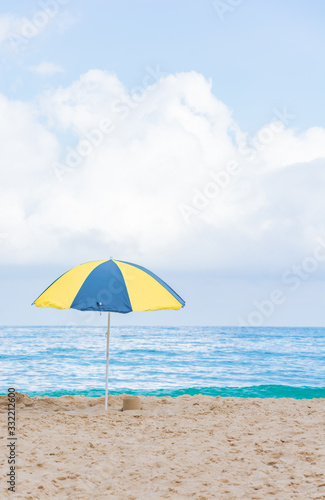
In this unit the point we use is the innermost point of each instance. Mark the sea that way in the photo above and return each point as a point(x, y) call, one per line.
point(244, 362)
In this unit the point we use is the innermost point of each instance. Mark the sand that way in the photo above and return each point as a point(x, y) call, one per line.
point(196, 447)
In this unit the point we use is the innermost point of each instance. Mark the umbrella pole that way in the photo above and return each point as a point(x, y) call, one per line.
point(107, 354)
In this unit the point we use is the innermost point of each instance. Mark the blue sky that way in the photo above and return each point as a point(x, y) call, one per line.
point(223, 79)
point(260, 56)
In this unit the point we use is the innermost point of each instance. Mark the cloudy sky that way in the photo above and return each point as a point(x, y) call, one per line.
point(187, 136)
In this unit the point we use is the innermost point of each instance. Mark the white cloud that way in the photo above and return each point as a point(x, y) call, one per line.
point(124, 197)
point(46, 69)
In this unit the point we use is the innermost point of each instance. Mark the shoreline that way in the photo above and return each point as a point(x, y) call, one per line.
point(256, 391)
point(197, 447)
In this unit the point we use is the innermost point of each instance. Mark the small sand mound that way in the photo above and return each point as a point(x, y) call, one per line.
point(21, 399)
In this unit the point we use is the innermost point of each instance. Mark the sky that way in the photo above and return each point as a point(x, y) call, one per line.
point(185, 136)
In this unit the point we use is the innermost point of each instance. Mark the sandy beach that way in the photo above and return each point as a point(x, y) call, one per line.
point(196, 447)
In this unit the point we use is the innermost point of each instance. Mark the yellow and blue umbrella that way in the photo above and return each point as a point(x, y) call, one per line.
point(112, 286)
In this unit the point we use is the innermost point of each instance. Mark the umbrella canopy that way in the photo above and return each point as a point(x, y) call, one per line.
point(112, 286)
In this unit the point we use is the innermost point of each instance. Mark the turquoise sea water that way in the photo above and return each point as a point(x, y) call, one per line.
point(225, 361)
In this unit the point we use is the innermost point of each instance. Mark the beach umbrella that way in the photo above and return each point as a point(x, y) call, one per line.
point(111, 286)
